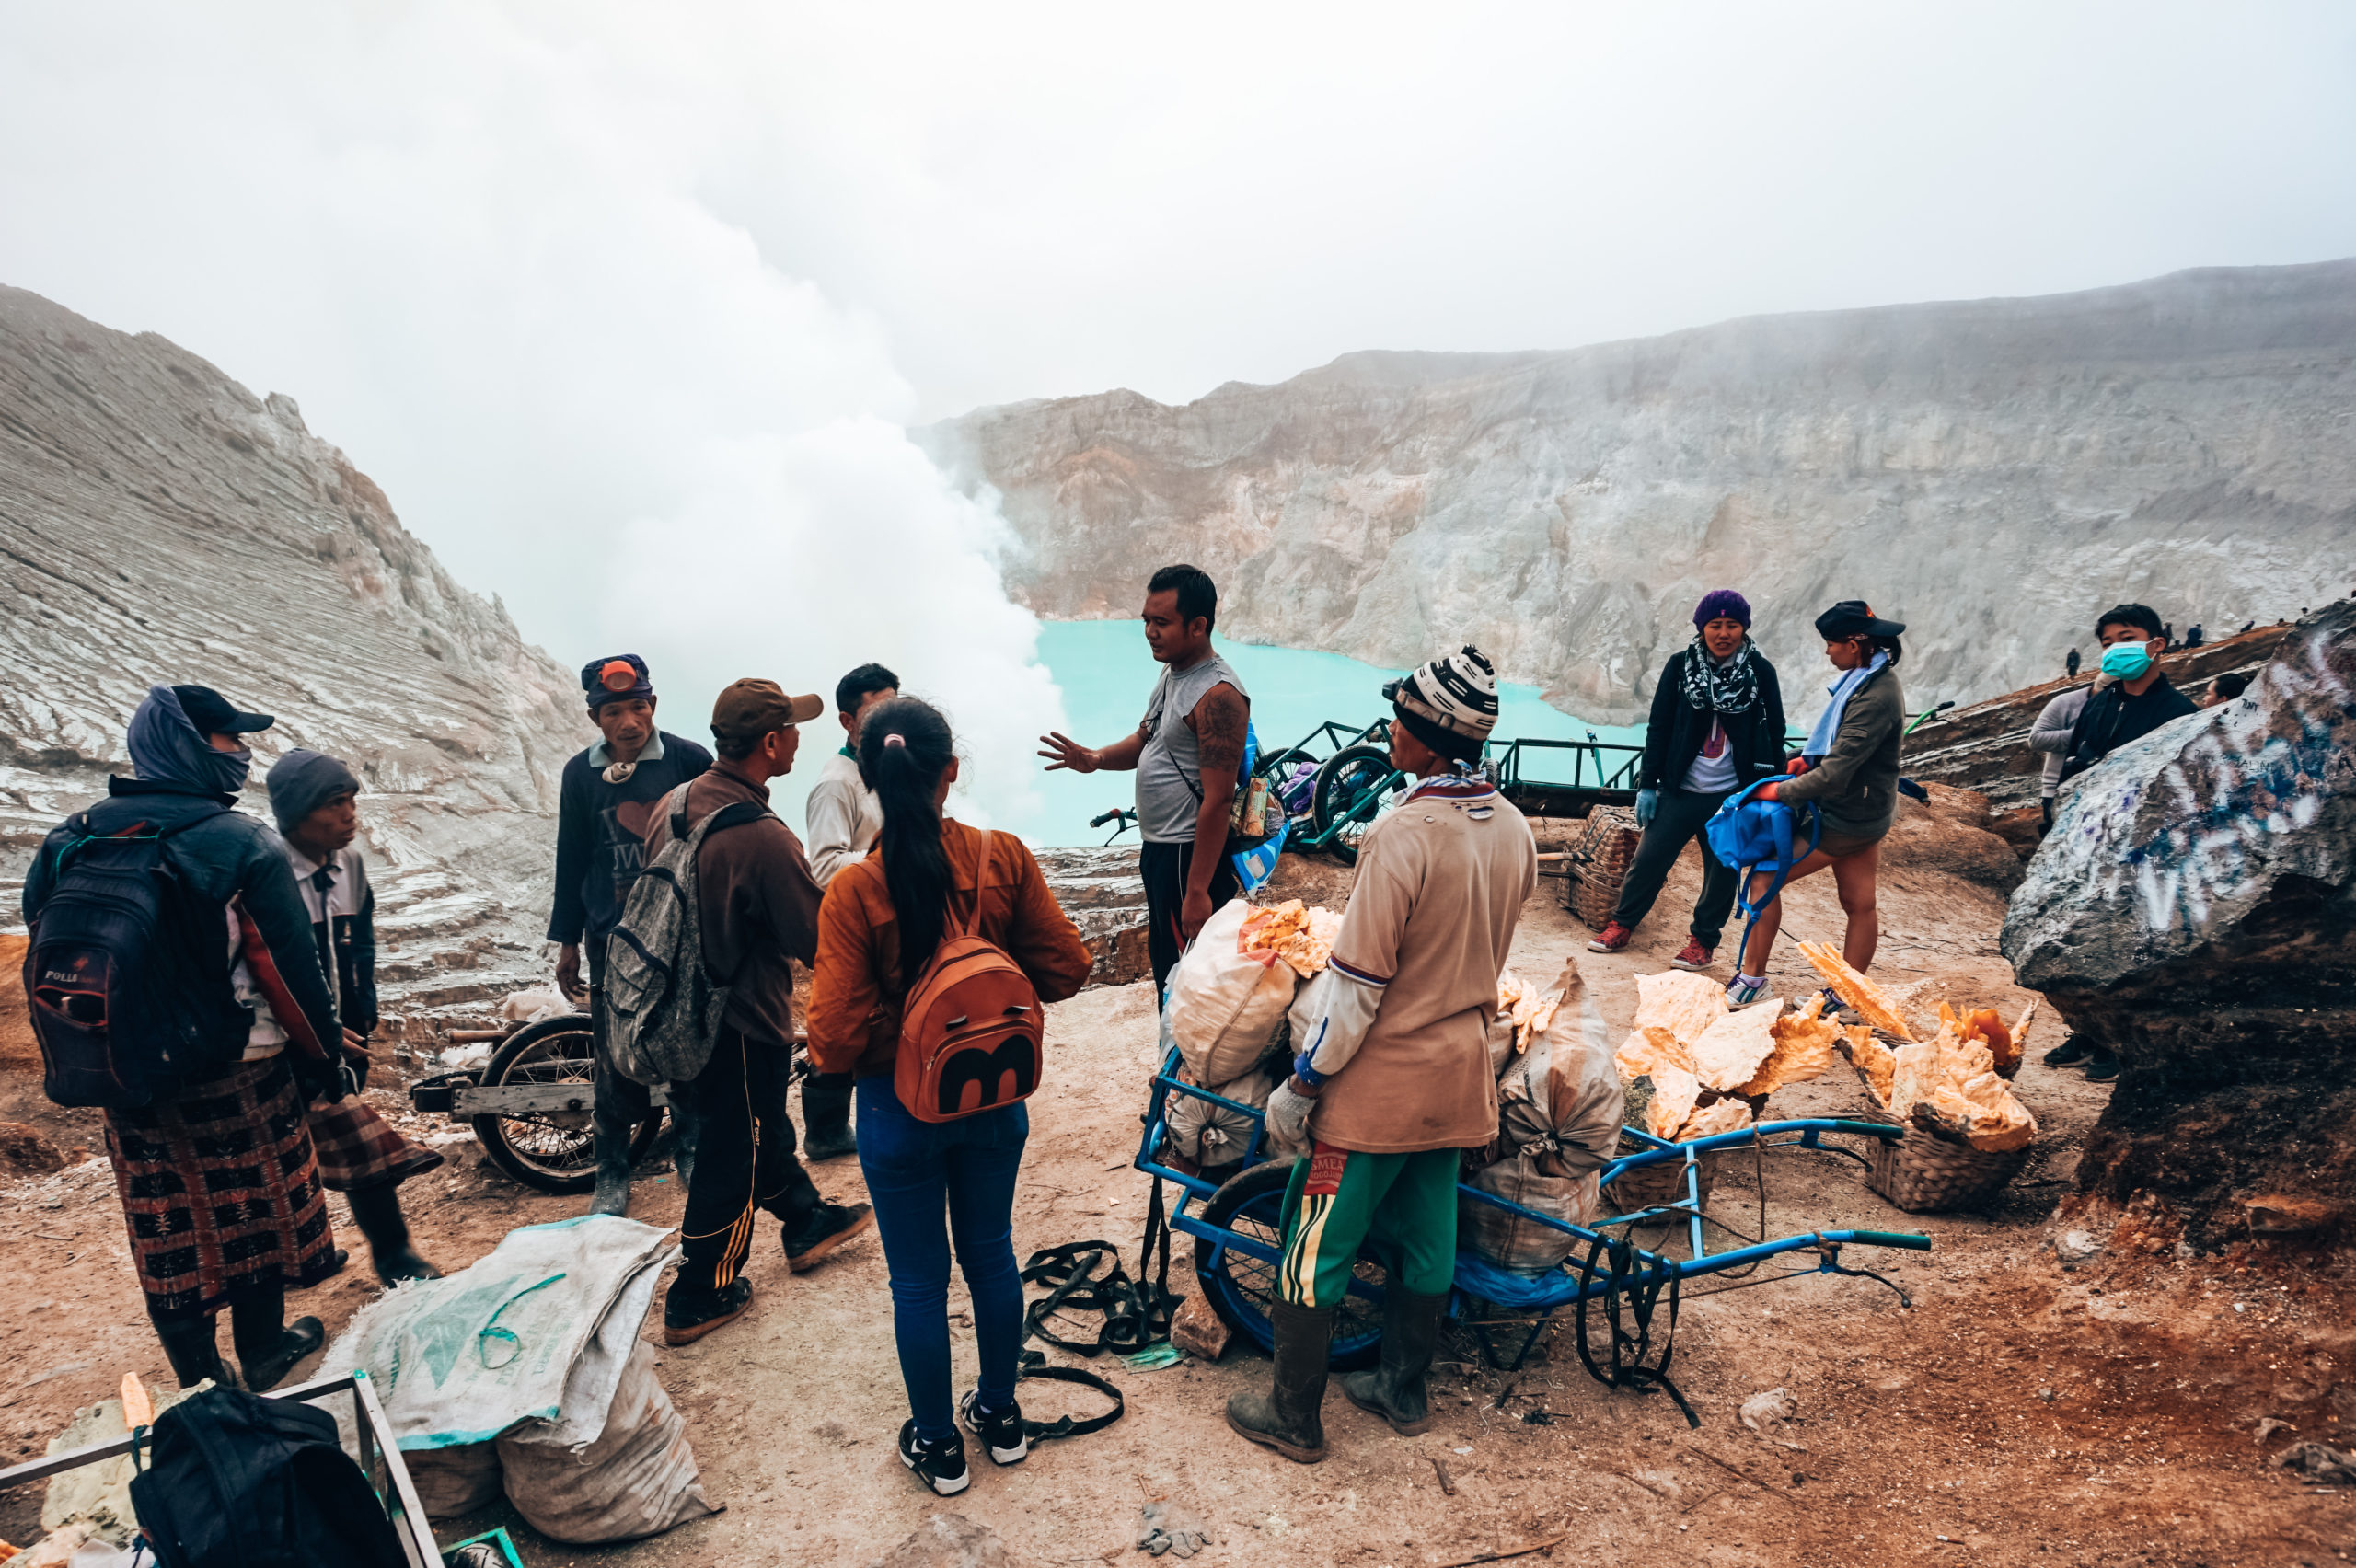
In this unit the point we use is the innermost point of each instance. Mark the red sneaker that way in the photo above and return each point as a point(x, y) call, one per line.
point(1614, 938)
point(1692, 955)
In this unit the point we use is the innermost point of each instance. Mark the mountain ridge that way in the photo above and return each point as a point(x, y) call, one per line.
point(159, 524)
point(2182, 440)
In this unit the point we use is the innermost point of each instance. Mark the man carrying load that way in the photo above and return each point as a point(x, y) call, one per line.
point(1393, 1079)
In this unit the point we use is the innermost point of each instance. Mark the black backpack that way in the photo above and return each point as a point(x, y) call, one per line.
point(128, 974)
point(237, 1480)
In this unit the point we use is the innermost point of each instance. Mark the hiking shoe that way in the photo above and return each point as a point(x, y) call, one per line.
point(689, 1314)
point(941, 1466)
point(2102, 1066)
point(828, 1227)
point(1692, 955)
point(1613, 937)
point(1001, 1431)
point(2072, 1053)
point(1835, 1008)
point(1745, 989)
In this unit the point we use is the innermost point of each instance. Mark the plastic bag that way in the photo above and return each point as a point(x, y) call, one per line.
point(636, 1479)
point(1213, 1135)
point(511, 1338)
point(1224, 1005)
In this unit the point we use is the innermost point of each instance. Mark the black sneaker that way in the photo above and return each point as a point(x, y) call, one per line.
point(941, 1466)
point(999, 1430)
point(828, 1227)
point(2102, 1066)
point(2071, 1053)
point(689, 1314)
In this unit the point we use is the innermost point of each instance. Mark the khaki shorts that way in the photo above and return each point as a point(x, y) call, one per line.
point(1841, 845)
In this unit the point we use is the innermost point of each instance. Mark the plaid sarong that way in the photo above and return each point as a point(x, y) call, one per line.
point(358, 1148)
point(221, 1191)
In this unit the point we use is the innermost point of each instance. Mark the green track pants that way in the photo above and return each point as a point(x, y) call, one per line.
point(1404, 1205)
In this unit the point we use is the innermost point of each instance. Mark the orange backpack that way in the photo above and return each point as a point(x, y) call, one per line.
point(971, 1034)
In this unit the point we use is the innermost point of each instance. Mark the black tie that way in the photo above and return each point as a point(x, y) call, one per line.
point(323, 935)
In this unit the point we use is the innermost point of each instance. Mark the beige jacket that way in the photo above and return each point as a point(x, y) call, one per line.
point(1439, 890)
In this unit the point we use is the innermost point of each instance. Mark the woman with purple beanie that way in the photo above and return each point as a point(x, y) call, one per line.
point(1716, 726)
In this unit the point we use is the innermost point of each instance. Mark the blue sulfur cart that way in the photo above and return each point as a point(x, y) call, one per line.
point(1238, 1228)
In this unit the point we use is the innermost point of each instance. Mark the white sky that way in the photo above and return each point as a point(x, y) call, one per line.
point(574, 279)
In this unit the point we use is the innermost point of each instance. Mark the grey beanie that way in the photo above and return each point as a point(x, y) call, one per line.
point(303, 781)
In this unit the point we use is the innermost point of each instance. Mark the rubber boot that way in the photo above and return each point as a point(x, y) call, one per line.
point(191, 1345)
point(377, 1212)
point(1396, 1390)
point(1288, 1417)
point(617, 1107)
point(268, 1345)
point(825, 1116)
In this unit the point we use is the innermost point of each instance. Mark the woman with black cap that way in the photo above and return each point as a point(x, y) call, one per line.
point(1849, 771)
point(1717, 725)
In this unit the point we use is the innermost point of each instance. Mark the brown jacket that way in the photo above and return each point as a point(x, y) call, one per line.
point(854, 1018)
point(757, 901)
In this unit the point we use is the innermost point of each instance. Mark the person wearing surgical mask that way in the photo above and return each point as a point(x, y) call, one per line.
point(2134, 698)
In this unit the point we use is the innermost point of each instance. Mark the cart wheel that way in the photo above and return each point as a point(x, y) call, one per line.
point(1345, 780)
point(553, 1152)
point(1238, 1287)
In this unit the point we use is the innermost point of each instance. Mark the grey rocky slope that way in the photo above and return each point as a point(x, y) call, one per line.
point(159, 524)
point(1993, 472)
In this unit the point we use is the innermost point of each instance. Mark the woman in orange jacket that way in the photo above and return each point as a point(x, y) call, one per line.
point(882, 919)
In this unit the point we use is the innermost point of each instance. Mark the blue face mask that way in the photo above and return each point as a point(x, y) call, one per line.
point(2125, 659)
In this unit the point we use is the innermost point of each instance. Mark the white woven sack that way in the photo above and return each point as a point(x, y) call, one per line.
point(1224, 1005)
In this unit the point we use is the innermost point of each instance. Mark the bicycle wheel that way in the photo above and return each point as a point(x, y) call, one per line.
point(1239, 1286)
point(1344, 785)
point(550, 1150)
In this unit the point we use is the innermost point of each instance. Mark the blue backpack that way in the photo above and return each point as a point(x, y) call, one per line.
point(1756, 836)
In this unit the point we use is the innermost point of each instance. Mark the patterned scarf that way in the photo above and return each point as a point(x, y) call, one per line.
point(1730, 687)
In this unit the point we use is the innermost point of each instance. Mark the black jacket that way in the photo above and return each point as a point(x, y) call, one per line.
point(229, 861)
point(600, 843)
point(2111, 719)
point(1674, 735)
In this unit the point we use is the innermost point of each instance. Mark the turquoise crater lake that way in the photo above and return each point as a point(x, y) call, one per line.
point(1107, 674)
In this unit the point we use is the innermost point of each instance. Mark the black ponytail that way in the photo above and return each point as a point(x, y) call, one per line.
point(903, 748)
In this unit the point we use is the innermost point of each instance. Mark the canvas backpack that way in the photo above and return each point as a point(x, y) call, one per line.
point(236, 1481)
point(127, 974)
point(663, 1009)
point(971, 1034)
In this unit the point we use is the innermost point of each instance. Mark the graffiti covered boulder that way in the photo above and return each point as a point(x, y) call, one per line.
point(2195, 909)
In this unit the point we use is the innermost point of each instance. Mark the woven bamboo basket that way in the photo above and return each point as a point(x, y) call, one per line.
point(1921, 1174)
point(1662, 1183)
point(1600, 864)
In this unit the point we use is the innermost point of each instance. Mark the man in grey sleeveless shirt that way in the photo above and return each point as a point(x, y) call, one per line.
point(1189, 754)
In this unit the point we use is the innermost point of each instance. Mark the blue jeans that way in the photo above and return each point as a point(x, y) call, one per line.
point(915, 1171)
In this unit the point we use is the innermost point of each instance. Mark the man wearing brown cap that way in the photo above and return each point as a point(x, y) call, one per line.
point(758, 907)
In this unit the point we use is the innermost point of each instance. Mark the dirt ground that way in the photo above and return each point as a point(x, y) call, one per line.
point(2021, 1412)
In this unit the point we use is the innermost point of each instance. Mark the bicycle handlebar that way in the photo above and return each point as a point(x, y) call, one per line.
point(1906, 1239)
point(1881, 1130)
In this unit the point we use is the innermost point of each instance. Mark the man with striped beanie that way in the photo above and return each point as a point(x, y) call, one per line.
point(1393, 1078)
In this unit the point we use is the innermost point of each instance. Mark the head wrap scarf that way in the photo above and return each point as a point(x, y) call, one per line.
point(167, 748)
point(1730, 687)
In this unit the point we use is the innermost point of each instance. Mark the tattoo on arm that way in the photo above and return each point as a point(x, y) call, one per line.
point(1219, 721)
